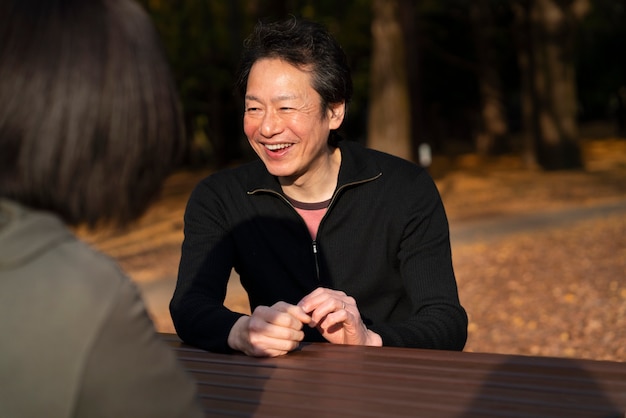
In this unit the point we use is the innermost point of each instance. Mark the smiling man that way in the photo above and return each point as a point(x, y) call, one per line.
point(333, 242)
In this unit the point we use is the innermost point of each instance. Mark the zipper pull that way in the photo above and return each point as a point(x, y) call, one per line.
point(317, 265)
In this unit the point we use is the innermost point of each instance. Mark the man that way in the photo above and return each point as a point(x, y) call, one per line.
point(333, 242)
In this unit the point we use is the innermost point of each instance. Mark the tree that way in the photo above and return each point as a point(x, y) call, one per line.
point(492, 134)
point(548, 85)
point(389, 113)
point(202, 43)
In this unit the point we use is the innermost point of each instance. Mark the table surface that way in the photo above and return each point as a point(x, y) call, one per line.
point(351, 381)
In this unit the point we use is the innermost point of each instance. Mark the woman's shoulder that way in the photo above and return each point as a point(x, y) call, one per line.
point(36, 246)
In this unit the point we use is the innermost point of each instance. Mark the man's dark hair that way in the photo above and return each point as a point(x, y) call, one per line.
point(89, 116)
point(306, 45)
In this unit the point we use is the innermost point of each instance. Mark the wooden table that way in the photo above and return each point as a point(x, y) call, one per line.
point(325, 380)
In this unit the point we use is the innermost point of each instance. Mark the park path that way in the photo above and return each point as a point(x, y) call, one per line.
point(470, 231)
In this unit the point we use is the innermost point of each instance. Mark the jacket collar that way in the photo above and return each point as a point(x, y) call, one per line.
point(357, 166)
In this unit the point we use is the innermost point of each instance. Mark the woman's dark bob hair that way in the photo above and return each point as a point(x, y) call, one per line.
point(90, 121)
point(305, 45)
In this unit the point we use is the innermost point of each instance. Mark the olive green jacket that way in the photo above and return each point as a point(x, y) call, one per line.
point(75, 338)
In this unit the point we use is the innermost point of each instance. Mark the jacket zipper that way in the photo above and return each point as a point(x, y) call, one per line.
point(314, 242)
point(317, 264)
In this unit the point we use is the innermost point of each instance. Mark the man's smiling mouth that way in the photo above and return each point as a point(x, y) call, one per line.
point(276, 147)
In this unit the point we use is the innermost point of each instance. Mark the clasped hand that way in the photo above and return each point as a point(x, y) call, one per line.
point(276, 330)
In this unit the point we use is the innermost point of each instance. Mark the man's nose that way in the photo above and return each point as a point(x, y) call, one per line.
point(271, 124)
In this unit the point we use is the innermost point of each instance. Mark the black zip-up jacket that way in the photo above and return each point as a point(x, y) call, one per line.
point(384, 241)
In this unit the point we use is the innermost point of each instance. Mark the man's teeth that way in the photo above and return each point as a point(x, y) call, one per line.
point(276, 147)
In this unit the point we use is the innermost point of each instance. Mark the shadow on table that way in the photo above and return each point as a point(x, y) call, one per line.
point(552, 387)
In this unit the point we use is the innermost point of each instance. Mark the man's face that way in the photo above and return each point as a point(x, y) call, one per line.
point(284, 123)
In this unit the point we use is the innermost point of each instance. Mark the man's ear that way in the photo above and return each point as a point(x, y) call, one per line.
point(336, 111)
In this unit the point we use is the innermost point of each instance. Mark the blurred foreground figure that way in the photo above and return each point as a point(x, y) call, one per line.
point(332, 241)
point(89, 128)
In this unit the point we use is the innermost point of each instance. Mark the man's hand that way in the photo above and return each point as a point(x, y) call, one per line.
point(337, 318)
point(270, 331)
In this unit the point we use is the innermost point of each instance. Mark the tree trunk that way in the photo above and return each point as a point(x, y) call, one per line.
point(492, 137)
point(530, 133)
point(551, 80)
point(408, 18)
point(389, 113)
point(555, 86)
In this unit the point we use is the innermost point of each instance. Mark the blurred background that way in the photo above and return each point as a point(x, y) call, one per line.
point(490, 76)
point(515, 106)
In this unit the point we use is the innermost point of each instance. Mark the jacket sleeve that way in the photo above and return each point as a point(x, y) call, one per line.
point(437, 320)
point(129, 372)
point(197, 307)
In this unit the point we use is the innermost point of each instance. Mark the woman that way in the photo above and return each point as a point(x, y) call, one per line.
point(89, 127)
